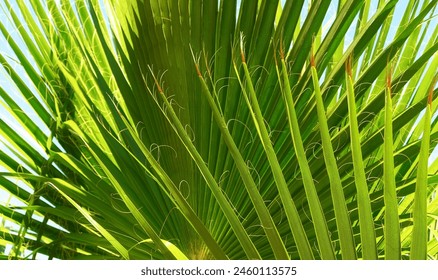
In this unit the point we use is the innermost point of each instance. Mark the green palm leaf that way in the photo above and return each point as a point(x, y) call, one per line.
point(201, 129)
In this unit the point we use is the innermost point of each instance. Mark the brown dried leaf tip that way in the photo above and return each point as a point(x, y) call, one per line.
point(196, 61)
point(242, 54)
point(197, 70)
point(281, 50)
point(348, 64)
point(159, 88)
point(312, 57)
point(389, 77)
point(431, 89)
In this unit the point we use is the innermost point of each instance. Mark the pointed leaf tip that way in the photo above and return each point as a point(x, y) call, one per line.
point(197, 70)
point(389, 71)
point(159, 88)
point(432, 86)
point(242, 54)
point(348, 63)
point(196, 61)
point(312, 57)
point(389, 77)
point(312, 60)
point(282, 56)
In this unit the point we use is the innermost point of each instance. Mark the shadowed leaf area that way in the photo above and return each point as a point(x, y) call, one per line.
point(210, 129)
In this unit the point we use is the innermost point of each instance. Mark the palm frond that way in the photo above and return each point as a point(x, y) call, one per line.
point(218, 129)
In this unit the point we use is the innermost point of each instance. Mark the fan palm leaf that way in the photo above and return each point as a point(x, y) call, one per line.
point(218, 129)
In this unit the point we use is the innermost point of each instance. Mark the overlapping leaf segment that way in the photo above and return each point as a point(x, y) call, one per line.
point(174, 130)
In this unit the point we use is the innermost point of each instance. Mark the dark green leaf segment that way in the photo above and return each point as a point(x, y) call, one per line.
point(218, 129)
